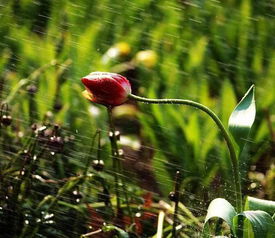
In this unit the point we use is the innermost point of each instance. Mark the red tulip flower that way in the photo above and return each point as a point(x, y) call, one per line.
point(109, 89)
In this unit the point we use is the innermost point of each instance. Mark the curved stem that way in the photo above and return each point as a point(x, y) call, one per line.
point(229, 142)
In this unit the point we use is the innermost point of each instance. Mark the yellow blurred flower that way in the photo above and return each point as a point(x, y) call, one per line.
point(147, 58)
point(117, 50)
point(123, 48)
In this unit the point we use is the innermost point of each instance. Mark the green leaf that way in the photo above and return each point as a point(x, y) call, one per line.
point(242, 118)
point(260, 204)
point(120, 233)
point(220, 208)
point(228, 100)
point(221, 237)
point(261, 222)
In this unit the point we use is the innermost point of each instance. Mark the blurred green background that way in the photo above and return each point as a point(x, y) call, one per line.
point(208, 51)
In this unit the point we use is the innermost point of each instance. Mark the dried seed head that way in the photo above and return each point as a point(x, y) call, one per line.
point(41, 133)
point(77, 195)
point(56, 127)
point(57, 106)
point(56, 143)
point(6, 120)
point(116, 134)
point(34, 126)
point(98, 165)
point(26, 155)
point(172, 196)
point(31, 89)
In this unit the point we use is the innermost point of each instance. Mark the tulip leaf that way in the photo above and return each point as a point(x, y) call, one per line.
point(261, 224)
point(260, 204)
point(242, 118)
point(220, 208)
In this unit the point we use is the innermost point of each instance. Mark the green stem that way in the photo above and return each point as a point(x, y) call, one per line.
point(60, 80)
point(90, 157)
point(126, 194)
point(32, 109)
point(114, 148)
point(215, 118)
point(117, 165)
point(177, 197)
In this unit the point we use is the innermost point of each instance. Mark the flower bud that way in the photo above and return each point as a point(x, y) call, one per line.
point(109, 89)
